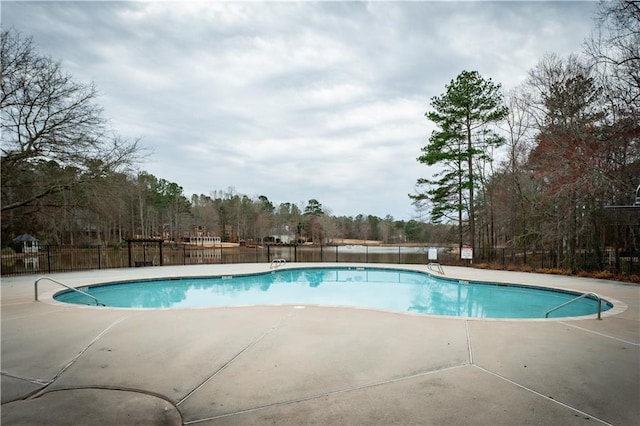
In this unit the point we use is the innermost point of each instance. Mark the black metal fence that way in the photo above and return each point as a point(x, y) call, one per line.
point(584, 260)
point(67, 258)
point(71, 258)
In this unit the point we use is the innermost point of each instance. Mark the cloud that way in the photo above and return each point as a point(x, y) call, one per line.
point(294, 101)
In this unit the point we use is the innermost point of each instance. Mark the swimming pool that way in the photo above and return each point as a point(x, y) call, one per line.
point(377, 288)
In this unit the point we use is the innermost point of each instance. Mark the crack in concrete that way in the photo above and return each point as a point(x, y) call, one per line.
point(159, 396)
point(111, 388)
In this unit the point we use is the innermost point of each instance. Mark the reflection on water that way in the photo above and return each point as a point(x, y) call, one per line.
point(387, 289)
point(301, 253)
point(207, 255)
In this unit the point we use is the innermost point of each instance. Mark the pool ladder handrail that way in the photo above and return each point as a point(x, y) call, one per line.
point(276, 263)
point(436, 265)
point(35, 288)
point(590, 293)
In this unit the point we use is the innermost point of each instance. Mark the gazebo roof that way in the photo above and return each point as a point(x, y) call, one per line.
point(25, 237)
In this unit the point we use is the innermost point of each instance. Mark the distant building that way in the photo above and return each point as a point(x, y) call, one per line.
point(30, 249)
point(282, 235)
point(30, 244)
point(202, 240)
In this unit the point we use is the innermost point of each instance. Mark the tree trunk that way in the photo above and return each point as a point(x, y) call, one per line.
point(460, 205)
point(472, 221)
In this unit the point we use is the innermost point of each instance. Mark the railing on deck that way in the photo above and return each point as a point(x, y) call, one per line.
point(590, 294)
point(35, 289)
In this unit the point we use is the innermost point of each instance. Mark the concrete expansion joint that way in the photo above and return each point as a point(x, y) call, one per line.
point(599, 334)
point(329, 393)
point(548, 398)
point(235, 357)
point(466, 326)
point(47, 383)
point(26, 379)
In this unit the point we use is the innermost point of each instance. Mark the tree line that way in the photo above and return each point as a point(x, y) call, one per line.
point(67, 178)
point(537, 168)
point(532, 169)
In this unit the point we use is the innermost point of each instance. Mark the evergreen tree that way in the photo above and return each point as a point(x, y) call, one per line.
point(463, 115)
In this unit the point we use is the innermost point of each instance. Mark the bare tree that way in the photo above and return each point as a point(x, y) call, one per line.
point(53, 135)
point(614, 49)
point(614, 46)
point(574, 153)
point(516, 187)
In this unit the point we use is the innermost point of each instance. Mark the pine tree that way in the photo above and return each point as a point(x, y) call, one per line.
point(463, 115)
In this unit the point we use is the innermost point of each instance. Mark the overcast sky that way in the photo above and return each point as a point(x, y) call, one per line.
point(293, 101)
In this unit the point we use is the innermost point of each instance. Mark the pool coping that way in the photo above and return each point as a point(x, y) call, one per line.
point(618, 306)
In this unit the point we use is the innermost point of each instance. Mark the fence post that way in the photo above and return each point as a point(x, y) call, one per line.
point(336, 254)
point(49, 259)
point(99, 258)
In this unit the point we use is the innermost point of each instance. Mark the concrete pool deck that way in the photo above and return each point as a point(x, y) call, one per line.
point(69, 364)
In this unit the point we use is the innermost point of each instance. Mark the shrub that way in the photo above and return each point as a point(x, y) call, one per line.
point(554, 271)
point(604, 275)
point(482, 266)
point(526, 268)
point(634, 278)
point(8, 251)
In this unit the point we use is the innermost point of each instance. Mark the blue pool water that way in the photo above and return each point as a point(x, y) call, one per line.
point(387, 289)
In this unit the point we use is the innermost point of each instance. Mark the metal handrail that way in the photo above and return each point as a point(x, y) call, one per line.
point(35, 288)
point(598, 298)
point(276, 263)
point(437, 266)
